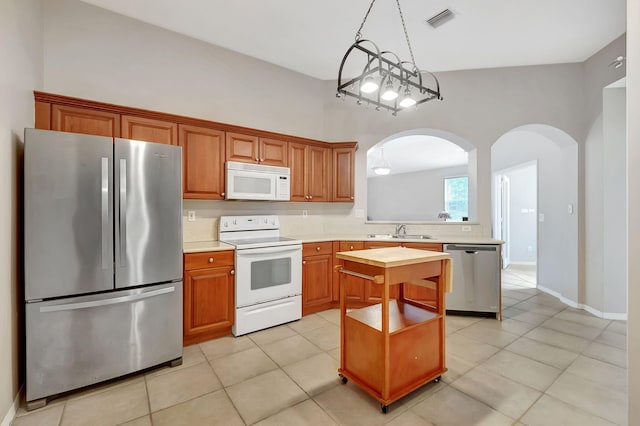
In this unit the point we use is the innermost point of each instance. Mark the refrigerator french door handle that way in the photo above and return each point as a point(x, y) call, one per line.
point(104, 212)
point(123, 212)
point(106, 302)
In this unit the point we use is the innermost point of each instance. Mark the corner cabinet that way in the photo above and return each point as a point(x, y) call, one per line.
point(310, 172)
point(203, 152)
point(317, 277)
point(208, 295)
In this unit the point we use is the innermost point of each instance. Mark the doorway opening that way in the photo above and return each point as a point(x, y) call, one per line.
point(514, 222)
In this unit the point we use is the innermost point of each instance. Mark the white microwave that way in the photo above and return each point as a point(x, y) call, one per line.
point(247, 181)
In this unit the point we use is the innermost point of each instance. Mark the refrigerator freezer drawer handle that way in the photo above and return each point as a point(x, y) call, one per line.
point(106, 302)
point(104, 211)
point(123, 213)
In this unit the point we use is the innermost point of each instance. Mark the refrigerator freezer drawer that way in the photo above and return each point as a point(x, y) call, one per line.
point(74, 342)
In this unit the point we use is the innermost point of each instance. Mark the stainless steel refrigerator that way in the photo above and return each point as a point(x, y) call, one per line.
point(103, 259)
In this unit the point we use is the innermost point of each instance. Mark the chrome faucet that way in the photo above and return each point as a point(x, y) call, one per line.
point(401, 227)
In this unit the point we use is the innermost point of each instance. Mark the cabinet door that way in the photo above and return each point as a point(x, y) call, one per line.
point(273, 152)
point(202, 162)
point(149, 130)
point(343, 174)
point(318, 173)
point(84, 120)
point(354, 286)
point(297, 164)
point(243, 148)
point(316, 283)
point(208, 303)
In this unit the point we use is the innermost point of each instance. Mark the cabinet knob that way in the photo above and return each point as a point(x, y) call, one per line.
point(318, 248)
point(257, 159)
point(352, 197)
point(310, 197)
point(262, 160)
point(350, 247)
point(304, 262)
point(223, 194)
point(232, 272)
point(211, 260)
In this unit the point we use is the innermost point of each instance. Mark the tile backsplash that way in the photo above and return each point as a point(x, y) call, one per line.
point(321, 218)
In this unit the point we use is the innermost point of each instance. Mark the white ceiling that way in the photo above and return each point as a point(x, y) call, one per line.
point(408, 154)
point(312, 37)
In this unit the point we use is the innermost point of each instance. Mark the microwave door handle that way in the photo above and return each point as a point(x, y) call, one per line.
point(267, 250)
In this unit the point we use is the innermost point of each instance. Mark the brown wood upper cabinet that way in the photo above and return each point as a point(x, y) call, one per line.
point(149, 130)
point(202, 162)
point(344, 174)
point(253, 149)
point(84, 120)
point(310, 172)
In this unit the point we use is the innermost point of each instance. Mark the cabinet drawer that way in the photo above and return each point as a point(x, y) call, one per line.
point(310, 249)
point(209, 259)
point(351, 245)
point(424, 246)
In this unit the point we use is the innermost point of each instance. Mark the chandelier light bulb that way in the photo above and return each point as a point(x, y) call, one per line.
point(407, 101)
point(368, 85)
point(389, 93)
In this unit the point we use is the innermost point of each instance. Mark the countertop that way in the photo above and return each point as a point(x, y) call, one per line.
point(392, 256)
point(202, 246)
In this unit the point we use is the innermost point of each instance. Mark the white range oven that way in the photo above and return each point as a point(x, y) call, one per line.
point(268, 287)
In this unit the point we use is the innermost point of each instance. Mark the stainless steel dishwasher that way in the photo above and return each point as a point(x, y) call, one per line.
point(476, 279)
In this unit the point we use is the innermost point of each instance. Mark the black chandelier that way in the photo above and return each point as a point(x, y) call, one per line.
point(386, 81)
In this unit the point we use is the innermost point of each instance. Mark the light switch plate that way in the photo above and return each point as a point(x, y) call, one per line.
point(191, 215)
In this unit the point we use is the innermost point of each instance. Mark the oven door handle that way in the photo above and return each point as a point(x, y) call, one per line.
point(268, 250)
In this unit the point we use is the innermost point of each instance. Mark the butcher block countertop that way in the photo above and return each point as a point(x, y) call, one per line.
point(391, 257)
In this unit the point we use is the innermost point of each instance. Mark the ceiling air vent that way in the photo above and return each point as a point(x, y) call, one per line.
point(440, 18)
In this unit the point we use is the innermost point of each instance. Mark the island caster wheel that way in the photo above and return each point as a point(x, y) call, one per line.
point(437, 379)
point(343, 379)
point(384, 408)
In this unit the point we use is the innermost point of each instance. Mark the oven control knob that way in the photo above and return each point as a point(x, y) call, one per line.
point(211, 260)
point(232, 272)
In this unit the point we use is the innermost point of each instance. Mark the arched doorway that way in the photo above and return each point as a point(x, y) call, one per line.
point(551, 156)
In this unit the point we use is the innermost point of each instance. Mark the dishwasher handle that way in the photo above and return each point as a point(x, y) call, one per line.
point(469, 249)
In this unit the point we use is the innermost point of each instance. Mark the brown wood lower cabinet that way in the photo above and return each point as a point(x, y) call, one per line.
point(208, 295)
point(317, 277)
point(419, 293)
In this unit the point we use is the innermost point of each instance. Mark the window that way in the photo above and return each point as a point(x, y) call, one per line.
point(456, 197)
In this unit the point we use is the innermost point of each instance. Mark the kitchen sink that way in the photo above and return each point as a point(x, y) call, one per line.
point(401, 236)
point(413, 236)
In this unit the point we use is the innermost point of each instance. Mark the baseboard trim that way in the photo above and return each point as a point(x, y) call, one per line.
point(592, 311)
point(13, 409)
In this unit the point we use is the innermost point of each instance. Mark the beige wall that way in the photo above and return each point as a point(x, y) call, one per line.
point(633, 186)
point(21, 72)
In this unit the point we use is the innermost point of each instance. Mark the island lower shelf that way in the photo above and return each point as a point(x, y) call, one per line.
point(414, 358)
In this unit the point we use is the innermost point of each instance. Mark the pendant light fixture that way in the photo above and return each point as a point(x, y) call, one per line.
point(383, 167)
point(384, 69)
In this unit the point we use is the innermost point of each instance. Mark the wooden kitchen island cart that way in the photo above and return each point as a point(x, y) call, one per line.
point(391, 348)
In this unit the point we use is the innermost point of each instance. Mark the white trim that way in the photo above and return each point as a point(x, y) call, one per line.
point(593, 311)
point(13, 409)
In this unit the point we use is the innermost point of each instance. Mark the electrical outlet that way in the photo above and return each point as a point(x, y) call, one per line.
point(191, 215)
point(570, 208)
point(304, 213)
point(466, 228)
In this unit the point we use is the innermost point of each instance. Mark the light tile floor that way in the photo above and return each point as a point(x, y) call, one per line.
point(545, 364)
